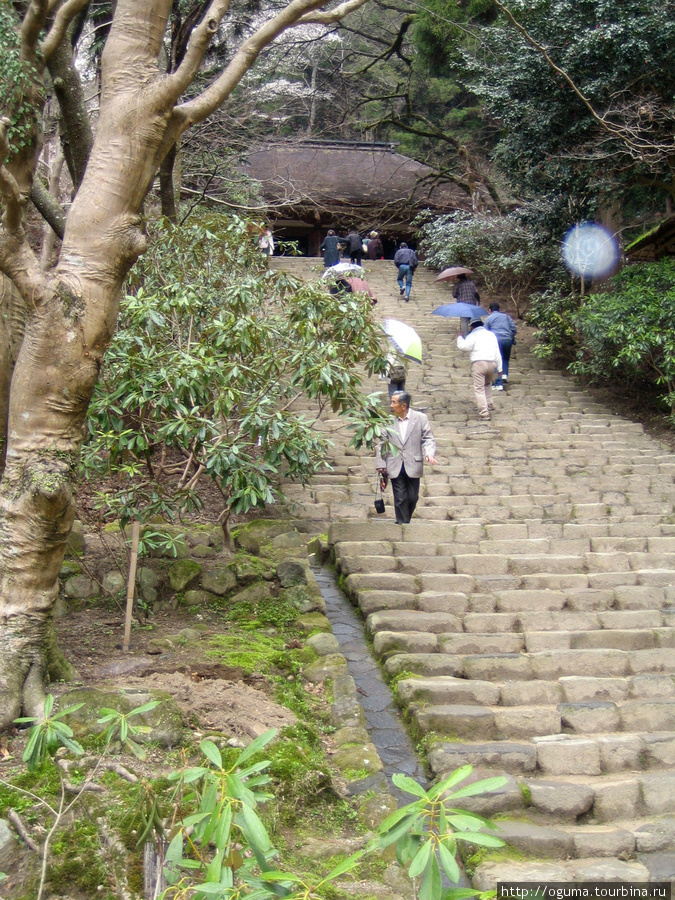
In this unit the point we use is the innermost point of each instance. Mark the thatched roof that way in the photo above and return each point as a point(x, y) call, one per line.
point(657, 242)
point(339, 176)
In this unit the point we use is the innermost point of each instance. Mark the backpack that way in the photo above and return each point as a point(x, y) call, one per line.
point(396, 372)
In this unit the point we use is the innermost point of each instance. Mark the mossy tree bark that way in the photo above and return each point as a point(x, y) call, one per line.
point(70, 312)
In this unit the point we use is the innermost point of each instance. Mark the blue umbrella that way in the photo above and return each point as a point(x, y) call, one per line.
point(460, 311)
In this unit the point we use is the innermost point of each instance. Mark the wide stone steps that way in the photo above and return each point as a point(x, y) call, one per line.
point(490, 723)
point(527, 613)
point(622, 756)
point(569, 689)
point(485, 563)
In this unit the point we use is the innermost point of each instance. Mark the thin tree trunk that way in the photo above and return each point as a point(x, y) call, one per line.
point(12, 324)
point(167, 192)
point(47, 231)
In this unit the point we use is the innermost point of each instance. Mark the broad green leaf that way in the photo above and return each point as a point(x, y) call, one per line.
point(223, 829)
point(194, 819)
point(452, 779)
point(62, 729)
point(255, 829)
point(409, 785)
point(174, 852)
point(211, 889)
point(214, 868)
point(192, 774)
point(136, 749)
point(276, 875)
point(479, 787)
point(448, 862)
point(70, 709)
point(421, 859)
point(147, 707)
point(345, 866)
point(72, 745)
point(33, 738)
point(212, 752)
point(394, 833)
point(431, 886)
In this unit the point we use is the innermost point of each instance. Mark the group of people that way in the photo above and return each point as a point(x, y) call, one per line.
point(354, 246)
point(405, 258)
point(410, 441)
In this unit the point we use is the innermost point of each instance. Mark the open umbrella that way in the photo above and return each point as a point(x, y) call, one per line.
point(342, 269)
point(406, 340)
point(453, 272)
point(460, 311)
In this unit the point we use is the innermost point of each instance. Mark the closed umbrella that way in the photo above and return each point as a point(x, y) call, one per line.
point(406, 340)
point(460, 311)
point(453, 272)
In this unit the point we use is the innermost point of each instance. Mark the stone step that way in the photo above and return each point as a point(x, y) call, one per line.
point(476, 719)
point(634, 758)
point(489, 875)
point(619, 639)
point(569, 689)
point(573, 842)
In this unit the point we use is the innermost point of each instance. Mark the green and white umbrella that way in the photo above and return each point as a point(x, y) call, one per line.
point(406, 340)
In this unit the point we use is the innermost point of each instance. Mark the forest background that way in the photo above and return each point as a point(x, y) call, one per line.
point(124, 227)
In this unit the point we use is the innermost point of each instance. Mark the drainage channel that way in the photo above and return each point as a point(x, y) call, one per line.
point(382, 719)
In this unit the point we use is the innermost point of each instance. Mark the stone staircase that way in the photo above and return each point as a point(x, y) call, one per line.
point(528, 610)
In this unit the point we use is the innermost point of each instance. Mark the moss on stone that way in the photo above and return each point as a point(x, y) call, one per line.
point(314, 621)
point(182, 572)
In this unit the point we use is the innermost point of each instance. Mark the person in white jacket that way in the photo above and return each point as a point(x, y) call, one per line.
point(486, 360)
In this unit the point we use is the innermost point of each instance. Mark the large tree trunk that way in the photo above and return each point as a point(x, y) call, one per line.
point(70, 324)
point(70, 312)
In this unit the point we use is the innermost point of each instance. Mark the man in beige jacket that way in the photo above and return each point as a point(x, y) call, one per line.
point(411, 445)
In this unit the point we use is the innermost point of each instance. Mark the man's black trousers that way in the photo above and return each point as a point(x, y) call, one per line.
point(406, 493)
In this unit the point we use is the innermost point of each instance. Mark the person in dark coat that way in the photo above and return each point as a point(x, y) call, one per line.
point(355, 247)
point(375, 247)
point(331, 249)
point(465, 291)
point(505, 328)
point(405, 261)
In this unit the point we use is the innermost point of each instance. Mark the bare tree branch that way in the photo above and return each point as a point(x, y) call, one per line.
point(32, 24)
point(48, 207)
point(62, 20)
point(196, 49)
point(198, 109)
point(332, 15)
point(9, 187)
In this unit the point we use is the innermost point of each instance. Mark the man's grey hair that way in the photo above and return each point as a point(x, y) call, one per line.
point(402, 397)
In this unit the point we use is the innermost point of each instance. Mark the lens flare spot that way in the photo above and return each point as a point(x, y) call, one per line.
point(590, 250)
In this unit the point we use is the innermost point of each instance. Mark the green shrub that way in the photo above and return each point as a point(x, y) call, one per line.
point(512, 258)
point(206, 363)
point(553, 314)
point(627, 332)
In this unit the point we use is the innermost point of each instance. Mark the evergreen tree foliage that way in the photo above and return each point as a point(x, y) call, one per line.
point(583, 156)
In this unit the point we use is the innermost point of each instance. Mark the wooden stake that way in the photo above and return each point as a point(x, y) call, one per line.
point(131, 584)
